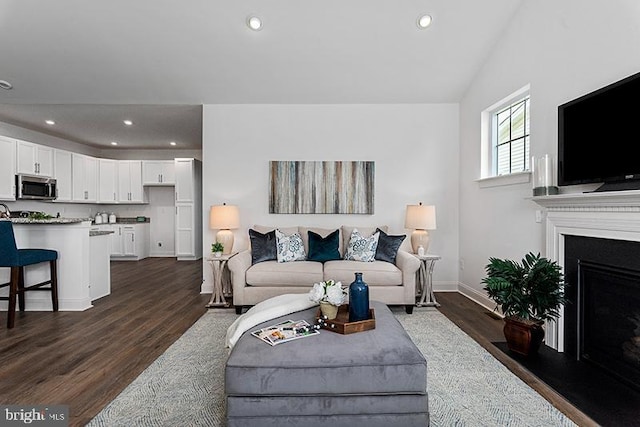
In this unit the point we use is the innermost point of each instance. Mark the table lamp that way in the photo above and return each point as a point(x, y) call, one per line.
point(224, 218)
point(420, 218)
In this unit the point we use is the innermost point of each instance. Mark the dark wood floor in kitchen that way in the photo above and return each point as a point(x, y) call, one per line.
point(85, 359)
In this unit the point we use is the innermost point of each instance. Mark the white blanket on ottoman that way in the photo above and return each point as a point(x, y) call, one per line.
point(267, 310)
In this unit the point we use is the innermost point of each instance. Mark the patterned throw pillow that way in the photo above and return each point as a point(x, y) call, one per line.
point(289, 248)
point(362, 248)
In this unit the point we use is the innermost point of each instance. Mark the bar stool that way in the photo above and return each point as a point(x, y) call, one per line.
point(17, 259)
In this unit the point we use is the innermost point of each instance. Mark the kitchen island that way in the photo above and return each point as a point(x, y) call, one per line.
point(71, 238)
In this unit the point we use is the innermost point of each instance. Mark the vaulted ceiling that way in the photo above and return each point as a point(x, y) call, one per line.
point(89, 56)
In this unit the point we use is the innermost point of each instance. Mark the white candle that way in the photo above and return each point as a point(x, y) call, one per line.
point(548, 171)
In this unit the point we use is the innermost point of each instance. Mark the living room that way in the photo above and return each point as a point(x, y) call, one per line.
point(425, 150)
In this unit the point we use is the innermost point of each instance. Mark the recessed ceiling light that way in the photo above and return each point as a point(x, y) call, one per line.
point(50, 122)
point(172, 143)
point(254, 23)
point(424, 21)
point(127, 122)
point(114, 143)
point(5, 85)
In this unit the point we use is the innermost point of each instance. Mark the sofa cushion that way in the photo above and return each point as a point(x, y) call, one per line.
point(362, 248)
point(273, 273)
point(263, 246)
point(289, 248)
point(388, 246)
point(323, 248)
point(376, 273)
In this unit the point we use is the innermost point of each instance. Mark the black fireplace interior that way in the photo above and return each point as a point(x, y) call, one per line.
point(598, 372)
point(602, 320)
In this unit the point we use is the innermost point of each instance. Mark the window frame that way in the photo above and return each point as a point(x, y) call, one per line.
point(489, 129)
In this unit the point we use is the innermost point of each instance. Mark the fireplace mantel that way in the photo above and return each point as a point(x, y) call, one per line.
point(607, 215)
point(591, 201)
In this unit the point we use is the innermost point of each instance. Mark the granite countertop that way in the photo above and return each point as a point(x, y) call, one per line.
point(93, 233)
point(49, 221)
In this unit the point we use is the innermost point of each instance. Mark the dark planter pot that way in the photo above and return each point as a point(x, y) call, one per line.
point(523, 337)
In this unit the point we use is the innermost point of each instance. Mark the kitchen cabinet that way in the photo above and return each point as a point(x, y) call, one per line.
point(34, 159)
point(186, 171)
point(62, 173)
point(158, 172)
point(128, 241)
point(7, 169)
point(130, 182)
point(188, 237)
point(99, 266)
point(84, 171)
point(107, 181)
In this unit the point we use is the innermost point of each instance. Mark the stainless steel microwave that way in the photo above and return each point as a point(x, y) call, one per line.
point(30, 187)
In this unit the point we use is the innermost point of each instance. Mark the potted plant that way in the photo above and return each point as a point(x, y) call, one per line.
point(217, 248)
point(330, 294)
point(528, 293)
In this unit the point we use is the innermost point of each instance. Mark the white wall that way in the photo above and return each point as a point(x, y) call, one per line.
point(564, 49)
point(415, 149)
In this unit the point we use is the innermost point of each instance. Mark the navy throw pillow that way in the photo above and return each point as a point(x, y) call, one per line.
point(263, 246)
point(388, 246)
point(323, 248)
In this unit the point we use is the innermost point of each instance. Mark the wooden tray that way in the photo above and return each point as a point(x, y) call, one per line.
point(342, 325)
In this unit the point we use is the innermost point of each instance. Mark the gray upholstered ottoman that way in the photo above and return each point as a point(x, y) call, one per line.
point(372, 378)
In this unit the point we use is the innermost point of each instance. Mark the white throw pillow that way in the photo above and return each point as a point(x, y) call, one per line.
point(289, 248)
point(362, 248)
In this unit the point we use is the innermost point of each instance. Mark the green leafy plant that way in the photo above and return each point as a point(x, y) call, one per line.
point(532, 289)
point(217, 247)
point(39, 215)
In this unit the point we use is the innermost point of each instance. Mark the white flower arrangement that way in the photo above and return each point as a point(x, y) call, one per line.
point(328, 291)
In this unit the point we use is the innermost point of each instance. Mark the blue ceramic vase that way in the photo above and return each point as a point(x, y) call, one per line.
point(358, 300)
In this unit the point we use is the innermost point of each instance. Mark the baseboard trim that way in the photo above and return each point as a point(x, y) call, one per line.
point(477, 297)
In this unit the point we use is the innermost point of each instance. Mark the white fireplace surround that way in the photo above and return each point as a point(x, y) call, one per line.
point(608, 215)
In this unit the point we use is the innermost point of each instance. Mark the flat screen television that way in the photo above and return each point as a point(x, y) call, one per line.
point(599, 136)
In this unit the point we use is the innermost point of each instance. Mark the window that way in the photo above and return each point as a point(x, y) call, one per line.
point(510, 138)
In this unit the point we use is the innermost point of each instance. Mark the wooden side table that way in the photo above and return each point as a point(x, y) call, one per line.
point(218, 265)
point(425, 280)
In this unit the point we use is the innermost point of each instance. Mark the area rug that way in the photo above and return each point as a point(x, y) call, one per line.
point(466, 385)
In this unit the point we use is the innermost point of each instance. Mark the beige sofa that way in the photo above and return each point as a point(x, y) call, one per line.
point(392, 284)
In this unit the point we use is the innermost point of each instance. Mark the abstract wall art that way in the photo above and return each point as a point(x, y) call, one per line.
point(321, 187)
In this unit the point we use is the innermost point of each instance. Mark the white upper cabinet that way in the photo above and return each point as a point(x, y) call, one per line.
point(130, 181)
point(108, 181)
point(158, 172)
point(34, 159)
point(85, 178)
point(185, 176)
point(7, 168)
point(63, 175)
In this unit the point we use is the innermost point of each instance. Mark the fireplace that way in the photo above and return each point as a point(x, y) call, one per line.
point(591, 219)
point(602, 318)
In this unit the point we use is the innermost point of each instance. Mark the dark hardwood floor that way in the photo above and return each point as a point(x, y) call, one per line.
point(486, 330)
point(85, 359)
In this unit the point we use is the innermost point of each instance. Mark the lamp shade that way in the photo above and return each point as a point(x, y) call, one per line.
point(420, 217)
point(224, 217)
